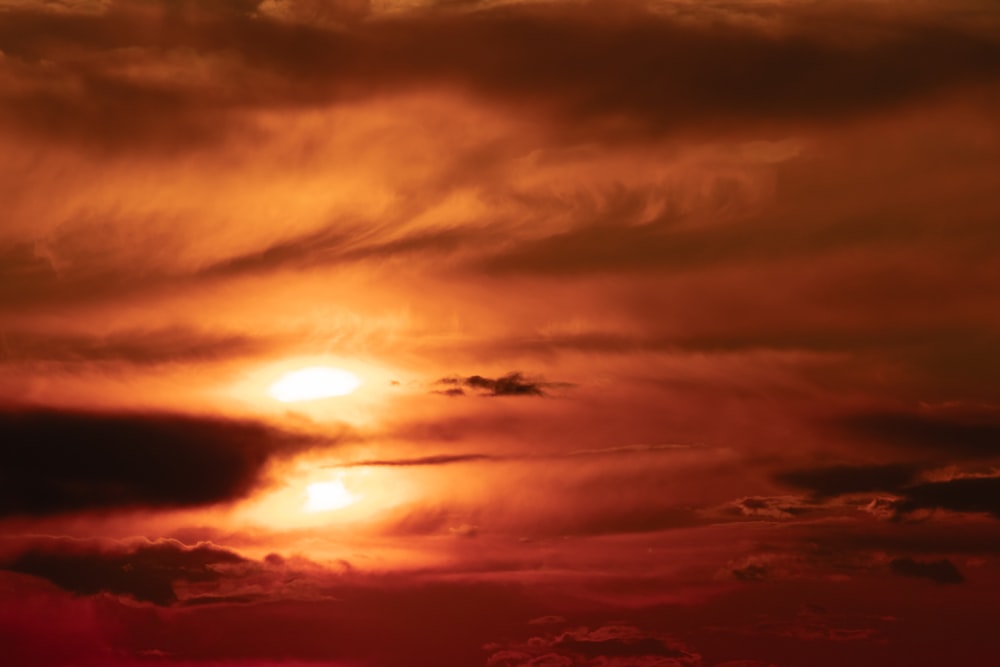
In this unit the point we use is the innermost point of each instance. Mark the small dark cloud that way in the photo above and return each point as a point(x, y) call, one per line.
point(511, 384)
point(829, 481)
point(61, 461)
point(146, 571)
point(940, 571)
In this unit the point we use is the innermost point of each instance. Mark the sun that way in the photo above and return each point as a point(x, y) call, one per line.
point(315, 382)
point(325, 496)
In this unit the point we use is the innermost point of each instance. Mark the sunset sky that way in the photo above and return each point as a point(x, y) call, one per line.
point(635, 333)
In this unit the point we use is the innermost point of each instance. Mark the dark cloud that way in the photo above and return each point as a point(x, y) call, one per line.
point(940, 571)
point(829, 481)
point(971, 436)
point(964, 494)
point(60, 461)
point(602, 65)
point(146, 571)
point(511, 384)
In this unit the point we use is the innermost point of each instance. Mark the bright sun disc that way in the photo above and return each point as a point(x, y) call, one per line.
point(325, 496)
point(313, 383)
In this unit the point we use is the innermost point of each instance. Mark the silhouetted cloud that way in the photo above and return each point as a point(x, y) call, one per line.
point(968, 437)
point(511, 384)
point(836, 480)
point(940, 571)
point(963, 494)
point(146, 571)
point(62, 461)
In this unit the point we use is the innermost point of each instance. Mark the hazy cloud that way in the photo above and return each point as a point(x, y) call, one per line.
point(135, 347)
point(940, 571)
point(593, 64)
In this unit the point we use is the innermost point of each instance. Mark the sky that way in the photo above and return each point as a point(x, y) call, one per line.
point(670, 330)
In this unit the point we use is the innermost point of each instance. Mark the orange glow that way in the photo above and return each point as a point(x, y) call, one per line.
point(499, 332)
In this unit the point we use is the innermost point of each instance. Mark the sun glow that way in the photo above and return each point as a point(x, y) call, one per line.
point(309, 384)
point(325, 496)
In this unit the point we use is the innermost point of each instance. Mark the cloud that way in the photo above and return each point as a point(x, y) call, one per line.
point(621, 66)
point(605, 646)
point(752, 573)
point(962, 494)
point(973, 436)
point(511, 384)
point(829, 481)
point(146, 571)
point(63, 461)
point(441, 459)
point(782, 507)
point(134, 347)
point(940, 571)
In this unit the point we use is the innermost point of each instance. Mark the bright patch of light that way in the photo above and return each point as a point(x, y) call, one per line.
point(325, 496)
point(313, 383)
